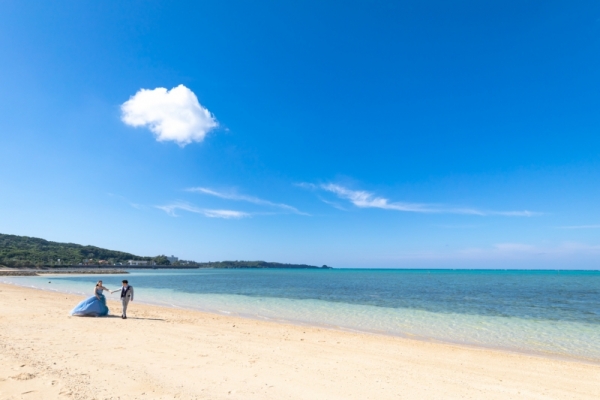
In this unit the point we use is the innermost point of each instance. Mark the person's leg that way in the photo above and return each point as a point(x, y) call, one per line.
point(125, 304)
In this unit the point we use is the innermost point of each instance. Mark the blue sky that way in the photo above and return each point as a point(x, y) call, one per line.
point(353, 134)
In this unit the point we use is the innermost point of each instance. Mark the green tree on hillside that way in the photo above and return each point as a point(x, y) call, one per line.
point(161, 260)
point(23, 251)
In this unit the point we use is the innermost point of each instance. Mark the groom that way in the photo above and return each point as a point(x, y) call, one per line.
point(126, 296)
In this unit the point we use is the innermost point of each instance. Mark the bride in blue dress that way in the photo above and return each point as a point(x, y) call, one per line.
point(94, 306)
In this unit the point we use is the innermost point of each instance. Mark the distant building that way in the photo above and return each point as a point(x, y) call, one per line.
point(172, 259)
point(136, 262)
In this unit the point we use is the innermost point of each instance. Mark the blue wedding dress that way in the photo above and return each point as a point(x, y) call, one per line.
point(92, 307)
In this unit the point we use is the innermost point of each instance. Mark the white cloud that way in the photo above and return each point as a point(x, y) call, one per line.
point(226, 214)
point(364, 199)
point(580, 227)
point(517, 250)
point(514, 247)
point(509, 252)
point(458, 226)
point(523, 213)
point(174, 114)
point(249, 199)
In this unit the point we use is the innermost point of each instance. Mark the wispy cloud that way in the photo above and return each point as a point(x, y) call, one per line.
point(523, 213)
point(514, 247)
point(125, 199)
point(509, 252)
point(227, 214)
point(459, 226)
point(248, 199)
point(365, 199)
point(580, 227)
point(333, 204)
point(210, 213)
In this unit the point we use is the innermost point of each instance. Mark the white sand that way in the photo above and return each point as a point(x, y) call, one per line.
point(162, 353)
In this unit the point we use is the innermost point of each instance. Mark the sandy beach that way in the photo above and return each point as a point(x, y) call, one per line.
point(163, 353)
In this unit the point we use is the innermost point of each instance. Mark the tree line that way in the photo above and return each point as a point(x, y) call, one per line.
point(22, 251)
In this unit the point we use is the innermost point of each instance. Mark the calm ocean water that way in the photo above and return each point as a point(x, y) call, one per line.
point(550, 312)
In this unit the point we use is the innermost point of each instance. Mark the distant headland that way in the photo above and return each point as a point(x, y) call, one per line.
point(23, 252)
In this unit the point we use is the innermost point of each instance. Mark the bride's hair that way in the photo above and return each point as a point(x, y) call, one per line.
point(99, 283)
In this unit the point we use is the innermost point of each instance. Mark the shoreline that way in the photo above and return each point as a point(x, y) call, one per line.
point(44, 272)
point(162, 352)
point(335, 328)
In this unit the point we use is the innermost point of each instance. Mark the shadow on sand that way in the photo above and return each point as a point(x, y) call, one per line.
point(146, 319)
point(119, 317)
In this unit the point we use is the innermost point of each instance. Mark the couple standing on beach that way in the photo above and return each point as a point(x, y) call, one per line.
point(95, 306)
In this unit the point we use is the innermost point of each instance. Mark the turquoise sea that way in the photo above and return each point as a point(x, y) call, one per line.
point(555, 313)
